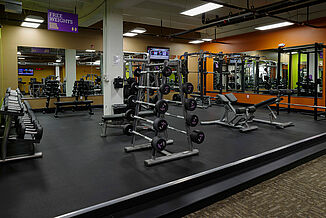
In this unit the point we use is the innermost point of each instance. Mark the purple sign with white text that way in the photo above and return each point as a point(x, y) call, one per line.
point(62, 21)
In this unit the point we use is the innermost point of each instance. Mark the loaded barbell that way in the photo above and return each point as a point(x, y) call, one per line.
point(158, 143)
point(191, 119)
point(166, 71)
point(161, 106)
point(196, 136)
point(189, 104)
point(159, 124)
point(164, 88)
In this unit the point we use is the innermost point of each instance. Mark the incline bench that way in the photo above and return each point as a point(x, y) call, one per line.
point(272, 115)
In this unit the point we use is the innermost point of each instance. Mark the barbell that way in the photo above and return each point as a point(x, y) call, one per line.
point(161, 106)
point(158, 143)
point(159, 124)
point(164, 88)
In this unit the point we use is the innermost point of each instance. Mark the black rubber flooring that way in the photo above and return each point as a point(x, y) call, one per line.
point(81, 169)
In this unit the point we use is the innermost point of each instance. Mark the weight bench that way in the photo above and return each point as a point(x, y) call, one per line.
point(233, 117)
point(118, 121)
point(272, 115)
point(87, 103)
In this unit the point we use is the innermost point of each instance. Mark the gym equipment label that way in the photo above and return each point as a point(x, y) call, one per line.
point(62, 21)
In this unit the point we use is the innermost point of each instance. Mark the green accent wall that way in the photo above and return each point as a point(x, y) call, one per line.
point(295, 68)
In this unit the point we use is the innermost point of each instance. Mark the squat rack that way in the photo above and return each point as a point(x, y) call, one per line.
point(314, 49)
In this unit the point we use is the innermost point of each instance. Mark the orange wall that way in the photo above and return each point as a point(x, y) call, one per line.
point(261, 40)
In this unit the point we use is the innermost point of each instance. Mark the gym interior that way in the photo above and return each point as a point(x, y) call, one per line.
point(148, 108)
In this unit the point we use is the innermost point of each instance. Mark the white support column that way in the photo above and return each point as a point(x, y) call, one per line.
point(57, 72)
point(70, 68)
point(112, 54)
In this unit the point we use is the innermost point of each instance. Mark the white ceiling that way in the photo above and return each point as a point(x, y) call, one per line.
point(153, 11)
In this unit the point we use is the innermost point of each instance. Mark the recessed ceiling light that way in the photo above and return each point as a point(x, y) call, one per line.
point(273, 26)
point(207, 40)
point(201, 9)
point(32, 25)
point(90, 50)
point(196, 41)
point(35, 19)
point(138, 30)
point(130, 34)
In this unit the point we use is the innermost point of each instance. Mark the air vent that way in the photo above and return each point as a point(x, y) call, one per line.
point(13, 6)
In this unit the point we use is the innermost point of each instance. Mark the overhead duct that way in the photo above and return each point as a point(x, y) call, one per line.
point(12, 6)
point(40, 64)
point(269, 10)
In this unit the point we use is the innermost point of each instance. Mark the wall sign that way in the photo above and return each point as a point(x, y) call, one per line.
point(62, 21)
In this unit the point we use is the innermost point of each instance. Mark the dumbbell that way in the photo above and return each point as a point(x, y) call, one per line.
point(158, 143)
point(164, 88)
point(36, 130)
point(160, 106)
point(159, 124)
point(191, 119)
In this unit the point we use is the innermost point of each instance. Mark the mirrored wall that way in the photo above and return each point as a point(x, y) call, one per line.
point(38, 65)
point(257, 71)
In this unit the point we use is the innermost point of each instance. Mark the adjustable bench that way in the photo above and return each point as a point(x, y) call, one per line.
point(272, 115)
point(233, 117)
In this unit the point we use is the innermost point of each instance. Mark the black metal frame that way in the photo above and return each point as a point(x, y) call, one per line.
point(317, 48)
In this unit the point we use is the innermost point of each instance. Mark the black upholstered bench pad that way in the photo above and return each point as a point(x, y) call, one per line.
point(266, 102)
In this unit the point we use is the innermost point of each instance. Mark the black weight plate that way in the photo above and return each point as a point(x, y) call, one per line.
point(192, 120)
point(165, 89)
point(131, 101)
point(167, 71)
point(161, 106)
point(197, 136)
point(190, 104)
point(130, 114)
point(160, 124)
point(127, 129)
point(187, 88)
point(158, 143)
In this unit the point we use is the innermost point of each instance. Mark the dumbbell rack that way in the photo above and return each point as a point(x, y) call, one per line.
point(8, 114)
point(143, 81)
point(166, 155)
point(52, 89)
